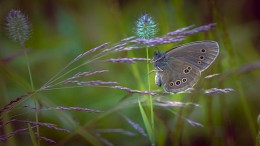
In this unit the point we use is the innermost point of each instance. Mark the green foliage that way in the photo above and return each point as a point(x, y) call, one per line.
point(91, 111)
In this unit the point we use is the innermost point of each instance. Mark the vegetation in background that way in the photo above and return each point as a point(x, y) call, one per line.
point(59, 86)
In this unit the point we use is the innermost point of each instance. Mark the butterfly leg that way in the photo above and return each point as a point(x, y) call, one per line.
point(158, 69)
point(155, 70)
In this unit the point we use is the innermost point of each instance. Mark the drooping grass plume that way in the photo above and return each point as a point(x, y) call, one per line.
point(90, 83)
point(180, 30)
point(18, 26)
point(132, 91)
point(127, 60)
point(136, 126)
point(122, 131)
point(158, 40)
point(24, 130)
point(118, 46)
point(47, 140)
point(218, 91)
point(48, 125)
point(104, 140)
point(91, 51)
point(248, 67)
point(10, 134)
point(185, 31)
point(75, 109)
point(5, 123)
point(165, 103)
point(4, 137)
point(242, 70)
point(13, 102)
point(191, 122)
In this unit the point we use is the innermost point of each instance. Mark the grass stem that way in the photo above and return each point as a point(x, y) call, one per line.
point(35, 98)
point(149, 87)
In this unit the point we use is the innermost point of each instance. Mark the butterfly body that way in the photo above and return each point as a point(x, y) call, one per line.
point(179, 69)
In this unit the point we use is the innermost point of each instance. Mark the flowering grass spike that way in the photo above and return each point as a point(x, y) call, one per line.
point(18, 27)
point(146, 28)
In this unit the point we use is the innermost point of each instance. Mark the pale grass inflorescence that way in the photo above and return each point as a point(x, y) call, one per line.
point(19, 30)
point(18, 26)
point(146, 27)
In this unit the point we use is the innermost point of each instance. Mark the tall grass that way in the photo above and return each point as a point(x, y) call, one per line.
point(129, 111)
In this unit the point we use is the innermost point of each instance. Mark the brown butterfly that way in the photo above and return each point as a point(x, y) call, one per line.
point(179, 69)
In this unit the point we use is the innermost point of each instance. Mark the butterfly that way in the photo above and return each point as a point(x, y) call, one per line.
point(179, 69)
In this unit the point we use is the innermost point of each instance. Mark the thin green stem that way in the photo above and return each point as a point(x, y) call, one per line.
point(32, 135)
point(29, 69)
point(35, 99)
point(149, 87)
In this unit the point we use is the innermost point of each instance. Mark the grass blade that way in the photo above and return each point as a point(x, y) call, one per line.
point(147, 124)
point(32, 135)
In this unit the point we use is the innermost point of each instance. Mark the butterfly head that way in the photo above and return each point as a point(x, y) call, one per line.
point(159, 60)
point(157, 55)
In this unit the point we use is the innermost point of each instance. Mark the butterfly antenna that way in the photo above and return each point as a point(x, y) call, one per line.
point(157, 49)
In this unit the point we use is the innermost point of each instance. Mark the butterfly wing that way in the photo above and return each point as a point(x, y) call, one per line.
point(177, 76)
point(200, 54)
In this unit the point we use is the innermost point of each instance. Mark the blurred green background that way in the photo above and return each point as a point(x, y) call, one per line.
point(63, 29)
